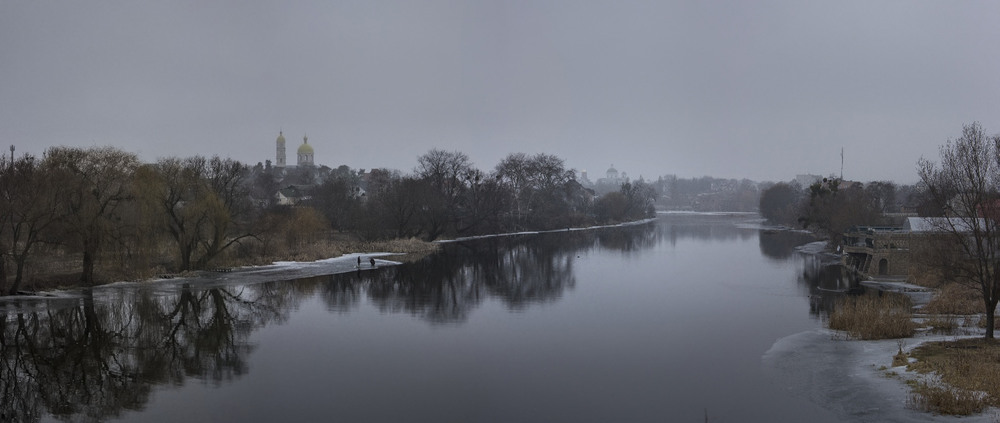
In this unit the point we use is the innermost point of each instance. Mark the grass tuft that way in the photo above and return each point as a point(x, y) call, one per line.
point(901, 358)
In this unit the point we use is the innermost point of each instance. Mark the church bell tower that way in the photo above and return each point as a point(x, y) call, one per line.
point(279, 159)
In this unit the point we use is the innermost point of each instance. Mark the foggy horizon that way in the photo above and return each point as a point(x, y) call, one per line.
point(762, 91)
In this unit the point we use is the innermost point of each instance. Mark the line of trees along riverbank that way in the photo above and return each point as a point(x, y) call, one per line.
point(98, 214)
point(830, 206)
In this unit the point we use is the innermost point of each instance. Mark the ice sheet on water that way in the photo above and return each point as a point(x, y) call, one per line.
point(475, 237)
point(701, 213)
point(816, 247)
point(850, 378)
point(757, 224)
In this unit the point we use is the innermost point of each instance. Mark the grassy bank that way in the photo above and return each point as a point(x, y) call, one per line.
point(967, 374)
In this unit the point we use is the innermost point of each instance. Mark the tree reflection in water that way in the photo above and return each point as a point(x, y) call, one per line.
point(779, 246)
point(98, 356)
point(445, 287)
point(828, 281)
point(91, 360)
point(822, 276)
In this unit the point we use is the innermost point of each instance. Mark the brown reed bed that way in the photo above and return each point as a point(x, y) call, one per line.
point(868, 317)
point(956, 299)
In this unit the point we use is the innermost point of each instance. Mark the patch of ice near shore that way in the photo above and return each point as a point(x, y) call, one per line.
point(845, 377)
point(587, 228)
point(816, 247)
point(248, 275)
point(699, 213)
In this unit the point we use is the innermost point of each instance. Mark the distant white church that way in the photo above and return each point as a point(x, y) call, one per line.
point(612, 177)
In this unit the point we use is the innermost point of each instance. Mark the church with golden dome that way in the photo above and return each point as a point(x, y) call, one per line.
point(305, 153)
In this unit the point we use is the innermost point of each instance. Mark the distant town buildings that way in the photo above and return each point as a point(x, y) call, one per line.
point(292, 183)
point(612, 181)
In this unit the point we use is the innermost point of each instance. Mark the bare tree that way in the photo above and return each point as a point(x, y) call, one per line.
point(448, 173)
point(883, 195)
point(486, 203)
point(538, 187)
point(28, 211)
point(202, 204)
point(513, 173)
point(444, 170)
point(93, 184)
point(965, 184)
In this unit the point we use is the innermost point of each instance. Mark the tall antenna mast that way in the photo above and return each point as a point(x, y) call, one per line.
point(841, 163)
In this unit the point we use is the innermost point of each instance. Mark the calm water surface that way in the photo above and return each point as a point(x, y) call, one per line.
point(662, 322)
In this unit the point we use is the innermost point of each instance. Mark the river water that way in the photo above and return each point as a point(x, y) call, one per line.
point(687, 318)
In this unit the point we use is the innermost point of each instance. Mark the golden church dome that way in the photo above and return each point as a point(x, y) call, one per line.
point(305, 148)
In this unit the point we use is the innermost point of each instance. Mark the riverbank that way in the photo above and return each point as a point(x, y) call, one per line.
point(404, 250)
point(860, 380)
point(344, 246)
point(929, 376)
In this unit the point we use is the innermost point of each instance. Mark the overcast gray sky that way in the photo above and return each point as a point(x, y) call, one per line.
point(756, 89)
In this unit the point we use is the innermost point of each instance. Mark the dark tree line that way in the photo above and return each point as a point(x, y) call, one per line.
point(831, 206)
point(447, 196)
point(91, 214)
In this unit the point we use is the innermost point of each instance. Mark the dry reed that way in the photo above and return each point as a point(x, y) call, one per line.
point(885, 316)
point(954, 298)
